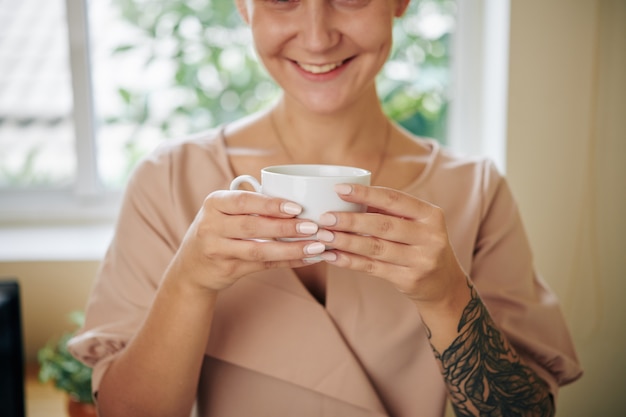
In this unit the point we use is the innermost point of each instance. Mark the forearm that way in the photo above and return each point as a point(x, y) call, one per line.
point(483, 372)
point(158, 371)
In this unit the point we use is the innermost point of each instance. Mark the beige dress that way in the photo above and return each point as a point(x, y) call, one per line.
point(274, 350)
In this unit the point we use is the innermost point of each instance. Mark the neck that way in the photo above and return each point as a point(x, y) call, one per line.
point(329, 138)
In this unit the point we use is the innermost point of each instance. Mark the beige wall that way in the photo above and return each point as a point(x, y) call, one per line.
point(566, 146)
point(567, 134)
point(49, 292)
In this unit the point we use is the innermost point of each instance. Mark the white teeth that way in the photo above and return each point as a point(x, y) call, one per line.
point(319, 69)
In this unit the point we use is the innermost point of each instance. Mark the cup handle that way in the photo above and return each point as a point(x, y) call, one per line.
point(236, 183)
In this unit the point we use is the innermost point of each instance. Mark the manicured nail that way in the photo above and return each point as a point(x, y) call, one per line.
point(314, 248)
point(313, 260)
point(325, 236)
point(343, 189)
point(291, 208)
point(307, 228)
point(328, 219)
point(329, 256)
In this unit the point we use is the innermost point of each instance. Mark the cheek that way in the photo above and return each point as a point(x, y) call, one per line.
point(268, 37)
point(373, 38)
point(370, 30)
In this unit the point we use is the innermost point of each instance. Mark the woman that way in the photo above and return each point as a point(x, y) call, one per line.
point(190, 308)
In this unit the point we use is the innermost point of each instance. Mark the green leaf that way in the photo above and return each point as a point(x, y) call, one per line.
point(123, 48)
point(125, 94)
point(58, 365)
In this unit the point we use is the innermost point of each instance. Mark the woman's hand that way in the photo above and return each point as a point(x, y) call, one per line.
point(401, 239)
point(233, 235)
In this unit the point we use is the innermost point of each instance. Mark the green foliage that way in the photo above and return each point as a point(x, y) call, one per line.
point(413, 86)
point(217, 78)
point(59, 366)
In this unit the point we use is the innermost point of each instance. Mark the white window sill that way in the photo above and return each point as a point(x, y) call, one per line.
point(55, 225)
point(54, 243)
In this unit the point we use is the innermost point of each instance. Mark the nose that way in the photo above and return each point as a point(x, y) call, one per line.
point(319, 32)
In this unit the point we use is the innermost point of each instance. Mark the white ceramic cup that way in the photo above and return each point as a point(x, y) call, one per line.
point(310, 186)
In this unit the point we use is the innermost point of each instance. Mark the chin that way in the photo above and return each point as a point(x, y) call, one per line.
point(321, 102)
point(322, 106)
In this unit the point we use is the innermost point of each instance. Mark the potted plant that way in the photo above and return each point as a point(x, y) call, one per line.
point(67, 373)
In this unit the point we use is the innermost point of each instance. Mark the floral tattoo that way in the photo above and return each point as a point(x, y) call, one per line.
point(485, 376)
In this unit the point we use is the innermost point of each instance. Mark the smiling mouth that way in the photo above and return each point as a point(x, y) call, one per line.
point(321, 69)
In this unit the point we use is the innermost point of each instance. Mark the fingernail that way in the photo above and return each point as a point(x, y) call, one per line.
point(314, 248)
point(328, 219)
point(325, 236)
point(312, 260)
point(343, 189)
point(291, 208)
point(329, 256)
point(307, 228)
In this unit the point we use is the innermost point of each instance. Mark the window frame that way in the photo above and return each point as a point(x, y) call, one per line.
point(87, 180)
point(477, 121)
point(86, 201)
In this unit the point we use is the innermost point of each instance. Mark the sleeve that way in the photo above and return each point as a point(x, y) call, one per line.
point(145, 240)
point(519, 301)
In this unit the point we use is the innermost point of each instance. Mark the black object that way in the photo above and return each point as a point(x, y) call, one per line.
point(11, 351)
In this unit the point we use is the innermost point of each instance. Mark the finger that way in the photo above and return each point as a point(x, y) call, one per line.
point(373, 224)
point(250, 267)
point(396, 274)
point(368, 246)
point(248, 202)
point(386, 200)
point(270, 250)
point(261, 227)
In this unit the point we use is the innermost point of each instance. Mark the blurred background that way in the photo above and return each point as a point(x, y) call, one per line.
point(162, 69)
point(88, 88)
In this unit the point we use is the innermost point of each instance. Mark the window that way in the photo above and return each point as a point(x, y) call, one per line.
point(36, 127)
point(88, 87)
point(480, 79)
point(47, 151)
point(189, 65)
